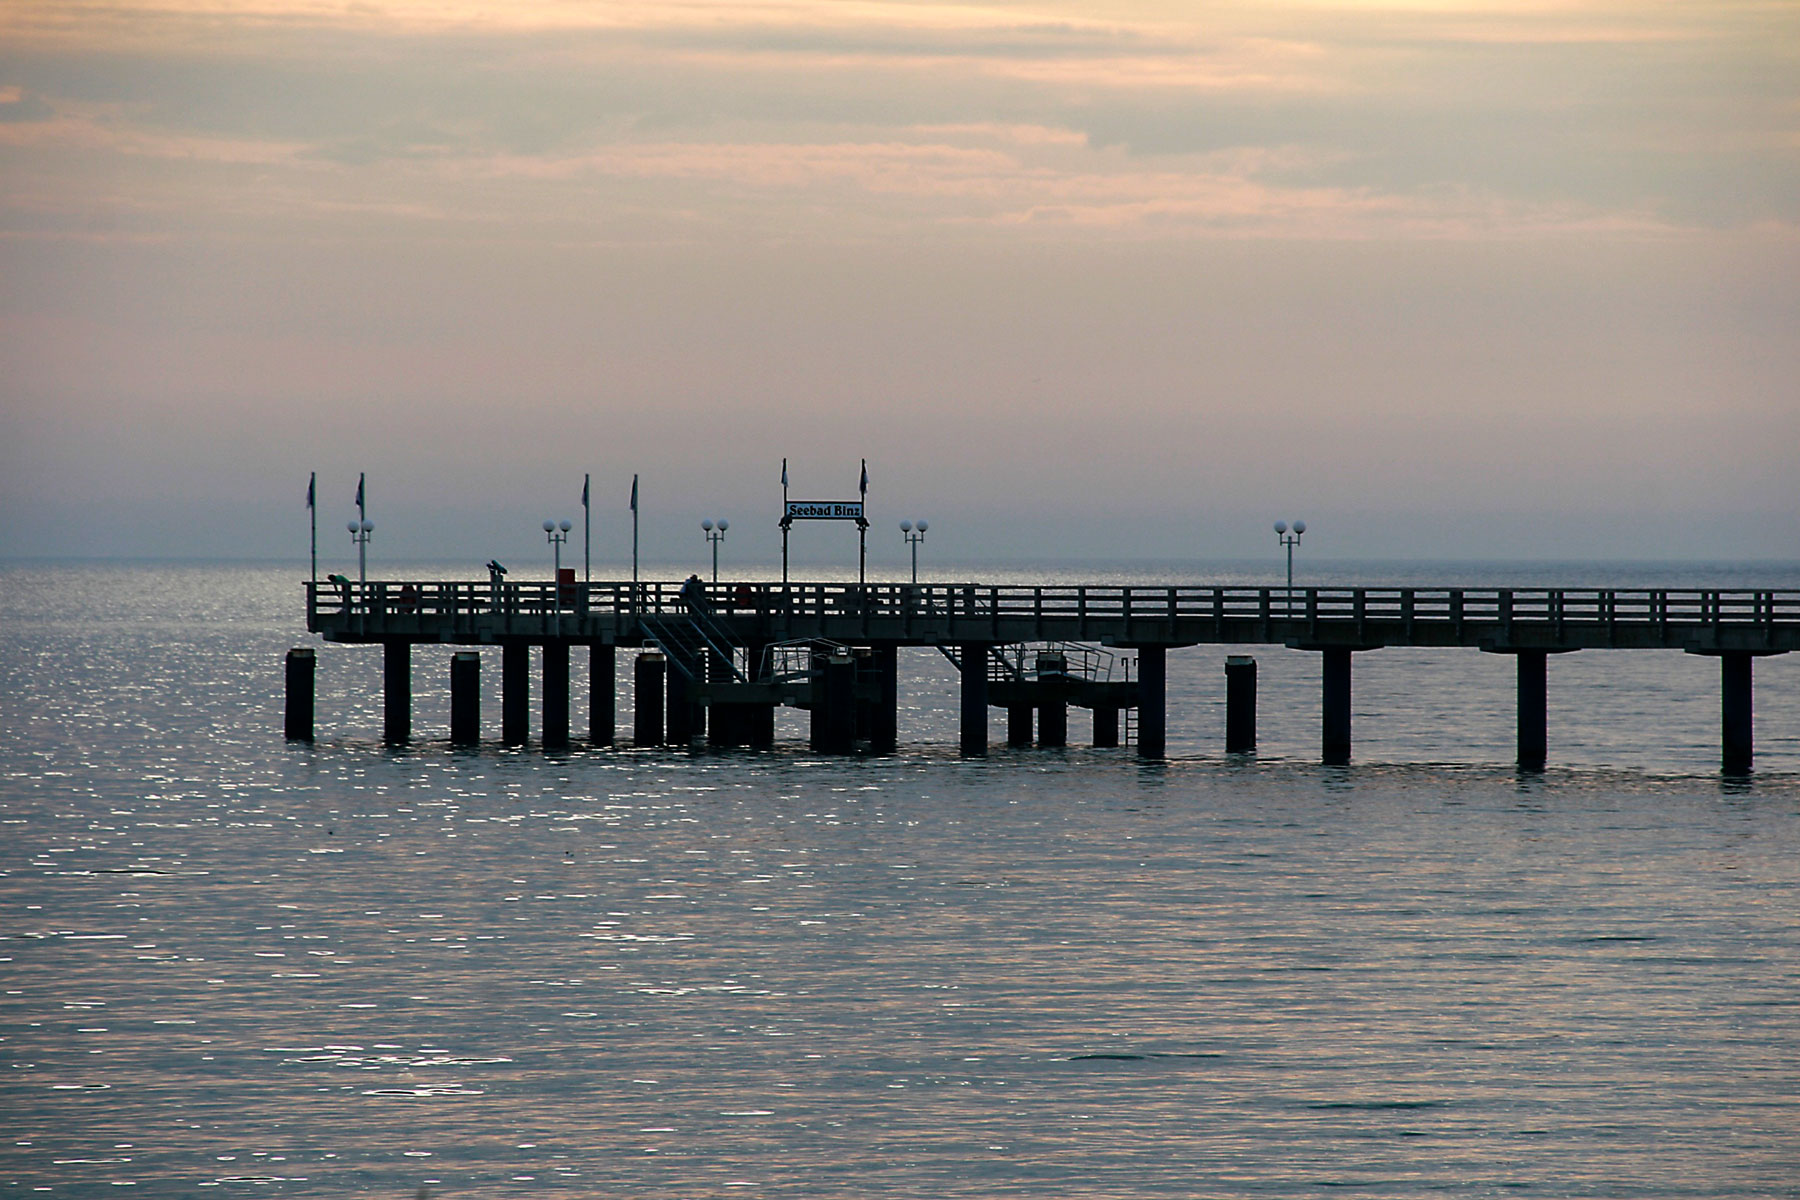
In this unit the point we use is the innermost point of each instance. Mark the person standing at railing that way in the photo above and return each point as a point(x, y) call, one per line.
point(693, 594)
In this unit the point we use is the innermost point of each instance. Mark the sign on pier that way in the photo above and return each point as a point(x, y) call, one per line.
point(824, 510)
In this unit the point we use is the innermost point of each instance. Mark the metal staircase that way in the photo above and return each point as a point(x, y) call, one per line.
point(1018, 663)
point(688, 640)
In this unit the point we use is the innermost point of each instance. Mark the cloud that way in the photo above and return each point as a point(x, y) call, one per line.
point(18, 105)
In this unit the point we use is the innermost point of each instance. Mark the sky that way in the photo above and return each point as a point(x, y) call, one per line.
point(1092, 281)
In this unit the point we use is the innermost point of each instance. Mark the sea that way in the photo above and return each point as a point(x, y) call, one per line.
point(231, 965)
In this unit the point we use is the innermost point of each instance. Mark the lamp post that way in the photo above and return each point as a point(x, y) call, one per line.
point(715, 533)
point(556, 533)
point(359, 533)
point(913, 539)
point(1290, 540)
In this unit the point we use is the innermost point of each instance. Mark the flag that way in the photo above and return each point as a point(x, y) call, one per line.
point(359, 489)
point(634, 493)
point(312, 493)
point(784, 474)
point(864, 487)
point(584, 491)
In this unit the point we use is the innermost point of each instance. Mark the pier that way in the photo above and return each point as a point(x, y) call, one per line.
point(715, 661)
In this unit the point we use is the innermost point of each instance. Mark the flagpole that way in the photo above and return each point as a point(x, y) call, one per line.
point(784, 527)
point(634, 544)
point(587, 530)
point(312, 505)
point(362, 518)
point(862, 531)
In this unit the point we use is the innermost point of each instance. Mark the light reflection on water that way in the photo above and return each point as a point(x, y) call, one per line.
point(232, 965)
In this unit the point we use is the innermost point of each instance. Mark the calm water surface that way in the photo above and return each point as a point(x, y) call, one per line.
point(232, 966)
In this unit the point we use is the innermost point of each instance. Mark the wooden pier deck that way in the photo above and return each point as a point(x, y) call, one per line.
point(1698, 620)
point(709, 671)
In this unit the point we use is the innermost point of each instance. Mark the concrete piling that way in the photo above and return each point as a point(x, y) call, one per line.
point(1335, 706)
point(302, 669)
point(884, 738)
point(647, 698)
point(465, 698)
point(1240, 704)
point(1019, 717)
point(1534, 718)
point(834, 704)
point(396, 687)
point(515, 693)
point(685, 723)
point(973, 733)
point(602, 693)
point(1106, 726)
point(1153, 713)
point(1736, 715)
point(1053, 701)
point(556, 695)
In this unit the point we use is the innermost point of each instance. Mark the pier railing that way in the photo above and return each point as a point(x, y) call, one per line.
point(1546, 617)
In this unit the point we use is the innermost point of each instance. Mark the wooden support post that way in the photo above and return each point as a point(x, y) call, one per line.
point(1053, 701)
point(302, 667)
point(515, 692)
point(556, 695)
point(647, 698)
point(465, 698)
point(885, 738)
point(974, 730)
point(603, 701)
point(1240, 704)
point(396, 688)
point(1534, 720)
point(1336, 706)
point(1153, 713)
point(1736, 704)
point(1106, 726)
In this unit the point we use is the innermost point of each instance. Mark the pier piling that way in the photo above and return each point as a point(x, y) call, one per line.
point(556, 695)
point(1153, 712)
point(1240, 704)
point(834, 704)
point(1019, 718)
point(647, 698)
point(465, 698)
point(685, 721)
point(885, 737)
point(396, 687)
point(1106, 726)
point(515, 693)
point(602, 694)
point(1335, 706)
point(302, 668)
point(1053, 701)
point(1736, 704)
point(1534, 721)
point(973, 730)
